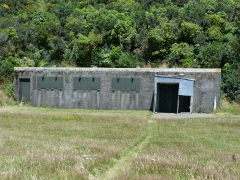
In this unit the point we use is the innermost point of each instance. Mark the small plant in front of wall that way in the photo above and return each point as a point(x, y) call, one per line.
point(200, 109)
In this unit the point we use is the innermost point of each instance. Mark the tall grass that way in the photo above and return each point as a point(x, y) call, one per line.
point(5, 100)
point(63, 146)
point(192, 149)
point(229, 107)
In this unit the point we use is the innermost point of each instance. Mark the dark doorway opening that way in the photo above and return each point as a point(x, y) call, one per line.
point(167, 98)
point(24, 90)
point(184, 103)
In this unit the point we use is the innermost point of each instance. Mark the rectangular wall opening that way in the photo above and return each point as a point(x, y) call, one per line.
point(167, 98)
point(184, 104)
point(87, 83)
point(24, 90)
point(49, 82)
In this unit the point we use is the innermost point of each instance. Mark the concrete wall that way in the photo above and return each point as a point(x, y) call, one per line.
point(206, 88)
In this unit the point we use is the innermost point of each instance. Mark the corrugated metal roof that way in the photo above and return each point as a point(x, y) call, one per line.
point(174, 77)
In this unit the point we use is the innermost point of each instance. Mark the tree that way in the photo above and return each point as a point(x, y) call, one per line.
point(88, 43)
point(160, 41)
point(108, 33)
point(215, 55)
point(181, 55)
point(189, 31)
point(231, 81)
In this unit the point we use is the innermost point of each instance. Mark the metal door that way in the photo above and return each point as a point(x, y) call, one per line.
point(24, 90)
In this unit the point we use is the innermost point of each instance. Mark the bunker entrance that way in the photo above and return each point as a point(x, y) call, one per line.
point(24, 90)
point(184, 104)
point(173, 94)
point(167, 98)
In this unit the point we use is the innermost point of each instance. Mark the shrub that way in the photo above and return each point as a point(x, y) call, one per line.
point(215, 54)
point(107, 57)
point(189, 31)
point(128, 60)
point(7, 68)
point(26, 62)
point(181, 55)
point(231, 81)
point(10, 90)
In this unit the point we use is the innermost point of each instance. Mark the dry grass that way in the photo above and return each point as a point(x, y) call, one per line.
point(45, 143)
point(192, 149)
point(34, 146)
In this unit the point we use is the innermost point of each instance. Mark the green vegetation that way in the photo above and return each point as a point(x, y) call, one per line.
point(45, 143)
point(5, 99)
point(123, 33)
point(228, 108)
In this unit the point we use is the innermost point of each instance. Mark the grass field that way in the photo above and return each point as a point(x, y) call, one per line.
point(45, 143)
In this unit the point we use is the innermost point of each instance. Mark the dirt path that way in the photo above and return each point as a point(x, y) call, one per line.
point(125, 161)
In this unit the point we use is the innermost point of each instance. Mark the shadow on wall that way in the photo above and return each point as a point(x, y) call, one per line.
point(151, 108)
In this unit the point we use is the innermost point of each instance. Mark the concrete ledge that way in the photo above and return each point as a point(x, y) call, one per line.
point(156, 70)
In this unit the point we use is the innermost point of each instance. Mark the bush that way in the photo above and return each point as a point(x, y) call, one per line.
point(5, 100)
point(128, 60)
point(10, 90)
point(181, 55)
point(215, 55)
point(231, 81)
point(7, 68)
point(189, 31)
point(107, 57)
point(26, 62)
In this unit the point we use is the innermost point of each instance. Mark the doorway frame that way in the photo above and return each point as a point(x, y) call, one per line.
point(181, 91)
point(30, 90)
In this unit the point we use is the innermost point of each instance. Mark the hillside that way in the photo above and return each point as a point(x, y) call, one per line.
point(124, 33)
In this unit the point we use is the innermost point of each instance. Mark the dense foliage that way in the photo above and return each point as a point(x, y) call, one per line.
point(123, 33)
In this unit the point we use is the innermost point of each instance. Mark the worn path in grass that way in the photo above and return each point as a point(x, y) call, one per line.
point(125, 161)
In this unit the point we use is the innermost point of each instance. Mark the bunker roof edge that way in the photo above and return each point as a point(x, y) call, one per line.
point(63, 69)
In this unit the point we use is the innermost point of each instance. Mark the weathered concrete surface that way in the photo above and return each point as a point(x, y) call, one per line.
point(206, 88)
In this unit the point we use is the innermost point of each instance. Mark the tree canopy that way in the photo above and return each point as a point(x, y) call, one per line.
point(123, 33)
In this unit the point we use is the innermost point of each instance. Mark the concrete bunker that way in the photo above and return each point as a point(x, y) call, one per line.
point(159, 90)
